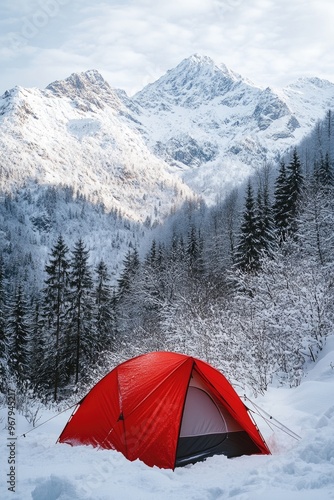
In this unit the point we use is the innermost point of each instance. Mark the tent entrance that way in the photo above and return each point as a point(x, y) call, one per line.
point(203, 427)
point(207, 427)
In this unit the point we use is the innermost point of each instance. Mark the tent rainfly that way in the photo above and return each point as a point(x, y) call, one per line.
point(166, 409)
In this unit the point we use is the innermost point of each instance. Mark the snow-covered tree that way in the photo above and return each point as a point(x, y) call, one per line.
point(104, 309)
point(39, 353)
point(81, 335)
point(130, 268)
point(19, 335)
point(324, 173)
point(280, 206)
point(295, 185)
point(248, 251)
point(3, 333)
point(55, 306)
point(129, 304)
point(266, 225)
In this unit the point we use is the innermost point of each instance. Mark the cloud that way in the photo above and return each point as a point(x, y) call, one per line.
point(133, 42)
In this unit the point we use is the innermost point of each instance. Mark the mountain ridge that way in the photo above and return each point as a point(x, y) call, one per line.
point(201, 127)
point(83, 141)
point(89, 86)
point(192, 74)
point(231, 131)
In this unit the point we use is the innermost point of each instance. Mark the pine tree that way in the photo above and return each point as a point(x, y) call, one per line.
point(329, 142)
point(19, 334)
point(315, 222)
point(130, 269)
point(81, 338)
point(39, 352)
point(288, 197)
point(104, 308)
point(231, 218)
point(152, 288)
point(248, 251)
point(265, 222)
point(152, 255)
point(175, 272)
point(54, 311)
point(324, 173)
point(280, 207)
point(3, 336)
point(295, 184)
point(194, 253)
point(129, 297)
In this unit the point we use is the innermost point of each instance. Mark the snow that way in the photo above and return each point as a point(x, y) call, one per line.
point(296, 470)
point(199, 105)
point(76, 133)
point(200, 123)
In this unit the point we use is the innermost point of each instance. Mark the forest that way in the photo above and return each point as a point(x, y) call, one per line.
point(246, 284)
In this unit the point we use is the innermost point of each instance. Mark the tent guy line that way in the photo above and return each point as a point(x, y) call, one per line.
point(272, 420)
point(48, 420)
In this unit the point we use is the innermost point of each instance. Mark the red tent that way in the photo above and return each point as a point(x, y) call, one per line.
point(166, 409)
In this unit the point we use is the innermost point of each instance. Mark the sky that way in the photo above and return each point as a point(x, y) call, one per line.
point(134, 42)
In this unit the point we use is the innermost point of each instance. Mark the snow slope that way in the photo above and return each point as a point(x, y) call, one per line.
point(200, 122)
point(296, 470)
point(77, 133)
point(216, 127)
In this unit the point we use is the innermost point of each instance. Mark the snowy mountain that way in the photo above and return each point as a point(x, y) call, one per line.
point(76, 133)
point(214, 127)
point(86, 161)
point(200, 127)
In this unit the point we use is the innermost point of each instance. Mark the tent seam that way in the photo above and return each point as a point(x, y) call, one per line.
point(183, 407)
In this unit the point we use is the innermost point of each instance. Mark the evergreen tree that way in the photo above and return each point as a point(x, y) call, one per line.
point(175, 271)
point(192, 246)
point(280, 207)
point(38, 350)
point(265, 222)
point(129, 296)
point(288, 196)
point(231, 218)
point(54, 311)
point(130, 269)
point(248, 251)
point(315, 222)
point(329, 141)
point(19, 334)
point(295, 184)
point(194, 253)
point(81, 338)
point(324, 173)
point(3, 337)
point(152, 255)
point(104, 307)
point(152, 288)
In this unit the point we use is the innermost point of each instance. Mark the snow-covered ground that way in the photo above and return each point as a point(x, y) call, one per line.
point(296, 470)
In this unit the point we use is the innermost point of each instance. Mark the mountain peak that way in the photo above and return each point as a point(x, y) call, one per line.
point(200, 59)
point(199, 65)
point(79, 81)
point(203, 61)
point(313, 82)
point(89, 86)
point(196, 80)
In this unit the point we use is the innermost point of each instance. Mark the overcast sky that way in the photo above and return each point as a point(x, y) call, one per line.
point(133, 42)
